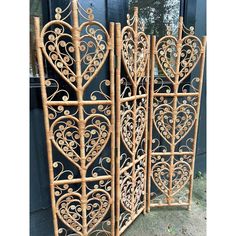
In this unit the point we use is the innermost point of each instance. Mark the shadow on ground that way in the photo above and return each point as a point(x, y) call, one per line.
point(175, 221)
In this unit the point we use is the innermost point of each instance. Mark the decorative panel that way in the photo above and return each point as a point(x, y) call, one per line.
point(99, 161)
point(132, 85)
point(78, 105)
point(176, 83)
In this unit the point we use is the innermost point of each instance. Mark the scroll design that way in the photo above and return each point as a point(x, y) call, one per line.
point(181, 175)
point(166, 56)
point(66, 137)
point(174, 116)
point(128, 119)
point(59, 49)
point(127, 190)
point(134, 62)
point(70, 211)
point(184, 121)
point(79, 120)
point(133, 45)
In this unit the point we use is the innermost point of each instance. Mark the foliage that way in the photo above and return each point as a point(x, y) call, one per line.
point(156, 14)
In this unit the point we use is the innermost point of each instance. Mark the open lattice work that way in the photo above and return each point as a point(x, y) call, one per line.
point(79, 120)
point(175, 104)
point(132, 49)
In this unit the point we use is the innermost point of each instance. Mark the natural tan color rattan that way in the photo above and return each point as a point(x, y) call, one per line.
point(95, 190)
point(173, 124)
point(132, 51)
point(78, 130)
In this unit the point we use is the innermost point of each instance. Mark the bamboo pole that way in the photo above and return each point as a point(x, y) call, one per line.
point(46, 122)
point(77, 103)
point(174, 94)
point(80, 91)
point(131, 164)
point(131, 98)
point(77, 181)
point(146, 129)
point(175, 100)
point(169, 205)
point(118, 104)
point(169, 153)
point(134, 89)
point(113, 138)
point(153, 45)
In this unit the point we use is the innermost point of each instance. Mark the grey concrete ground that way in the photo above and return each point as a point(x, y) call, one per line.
point(159, 222)
point(175, 221)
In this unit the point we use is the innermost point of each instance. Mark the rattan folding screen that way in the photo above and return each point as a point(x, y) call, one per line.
point(79, 121)
point(174, 111)
point(100, 151)
point(132, 49)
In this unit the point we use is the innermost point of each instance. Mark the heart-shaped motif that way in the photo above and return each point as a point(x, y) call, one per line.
point(181, 173)
point(184, 120)
point(134, 61)
point(69, 209)
point(93, 49)
point(139, 187)
point(131, 198)
point(167, 56)
point(59, 49)
point(97, 207)
point(127, 128)
point(126, 189)
point(66, 137)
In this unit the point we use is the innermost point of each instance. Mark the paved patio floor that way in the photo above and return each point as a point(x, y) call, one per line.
point(159, 222)
point(175, 221)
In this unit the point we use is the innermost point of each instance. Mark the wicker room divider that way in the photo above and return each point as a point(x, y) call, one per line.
point(174, 112)
point(104, 167)
point(132, 50)
point(79, 122)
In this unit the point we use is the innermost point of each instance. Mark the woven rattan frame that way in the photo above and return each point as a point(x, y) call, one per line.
point(82, 180)
point(92, 193)
point(173, 125)
point(132, 49)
